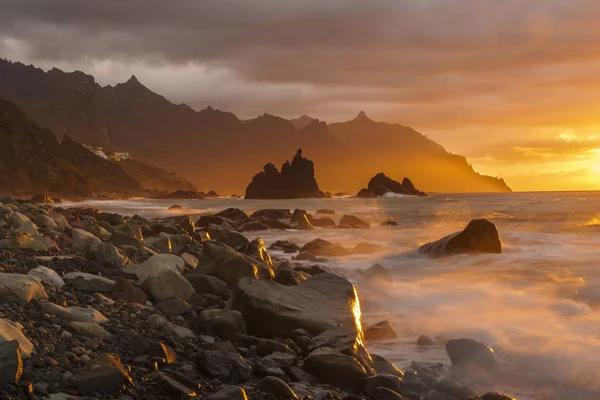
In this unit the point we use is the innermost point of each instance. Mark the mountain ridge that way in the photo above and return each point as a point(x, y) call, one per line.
point(215, 149)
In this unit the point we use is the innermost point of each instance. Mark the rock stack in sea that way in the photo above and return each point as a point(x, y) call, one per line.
point(381, 184)
point(106, 306)
point(296, 180)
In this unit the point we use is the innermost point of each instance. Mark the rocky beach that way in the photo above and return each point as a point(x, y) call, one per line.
point(100, 305)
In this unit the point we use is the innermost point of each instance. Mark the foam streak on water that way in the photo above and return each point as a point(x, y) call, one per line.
point(537, 304)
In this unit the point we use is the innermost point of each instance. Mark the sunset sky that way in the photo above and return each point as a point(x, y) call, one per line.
point(513, 85)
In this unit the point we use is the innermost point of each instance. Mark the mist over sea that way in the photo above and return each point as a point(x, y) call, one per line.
point(537, 304)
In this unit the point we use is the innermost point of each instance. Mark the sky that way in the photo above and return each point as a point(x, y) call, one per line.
point(513, 85)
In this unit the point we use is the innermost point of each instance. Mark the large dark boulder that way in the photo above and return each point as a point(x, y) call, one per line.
point(480, 236)
point(296, 180)
point(322, 247)
point(468, 352)
point(381, 184)
point(11, 363)
point(316, 305)
point(229, 265)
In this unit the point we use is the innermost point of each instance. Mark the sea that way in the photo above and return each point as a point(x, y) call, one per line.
point(537, 304)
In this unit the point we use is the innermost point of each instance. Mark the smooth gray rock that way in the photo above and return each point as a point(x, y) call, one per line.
point(20, 287)
point(317, 304)
point(222, 323)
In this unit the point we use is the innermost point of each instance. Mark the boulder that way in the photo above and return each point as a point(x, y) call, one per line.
point(290, 277)
point(16, 219)
point(425, 340)
point(20, 287)
point(229, 265)
point(45, 221)
point(382, 366)
point(377, 275)
point(336, 369)
point(190, 260)
point(95, 229)
point(27, 228)
point(380, 184)
point(325, 211)
point(321, 247)
point(234, 214)
point(160, 243)
point(480, 236)
point(10, 330)
point(324, 222)
point(130, 228)
point(388, 223)
point(60, 220)
point(468, 352)
point(257, 250)
point(345, 340)
point(35, 242)
point(11, 363)
point(88, 283)
point(391, 382)
point(157, 262)
point(103, 379)
point(254, 226)
point(384, 393)
point(222, 323)
point(120, 240)
point(46, 275)
point(83, 240)
point(296, 180)
point(286, 246)
point(353, 222)
point(41, 199)
point(166, 283)
point(492, 396)
point(271, 309)
point(107, 254)
point(230, 393)
point(380, 331)
point(226, 365)
point(366, 248)
point(206, 283)
point(231, 238)
point(276, 387)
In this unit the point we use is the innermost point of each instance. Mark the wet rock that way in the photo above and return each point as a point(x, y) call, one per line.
point(380, 184)
point(257, 250)
point(454, 389)
point(324, 222)
point(19, 287)
point(78, 314)
point(325, 211)
point(353, 222)
point(366, 248)
point(11, 363)
point(290, 277)
point(234, 214)
point(158, 349)
point(206, 283)
point(127, 291)
point(225, 365)
point(231, 238)
point(425, 340)
point(388, 223)
point(383, 393)
point(222, 323)
point(345, 340)
point(230, 393)
point(286, 246)
point(46, 275)
point(321, 247)
point(230, 265)
point(480, 236)
point(372, 384)
point(10, 330)
point(382, 366)
point(380, 331)
point(465, 352)
point(377, 275)
point(254, 226)
point(338, 370)
point(271, 309)
point(276, 387)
